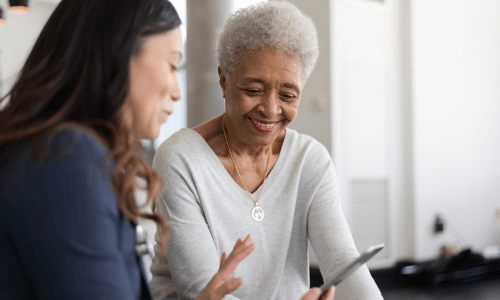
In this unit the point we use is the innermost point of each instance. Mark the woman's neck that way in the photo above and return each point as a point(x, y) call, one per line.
point(243, 148)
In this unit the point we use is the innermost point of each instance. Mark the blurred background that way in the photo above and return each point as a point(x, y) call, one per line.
point(405, 96)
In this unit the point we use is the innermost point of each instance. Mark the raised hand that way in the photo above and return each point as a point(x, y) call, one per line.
point(222, 283)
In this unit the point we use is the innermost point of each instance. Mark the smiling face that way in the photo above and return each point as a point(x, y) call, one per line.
point(262, 96)
point(154, 85)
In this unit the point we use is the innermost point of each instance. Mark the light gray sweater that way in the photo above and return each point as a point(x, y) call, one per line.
point(207, 211)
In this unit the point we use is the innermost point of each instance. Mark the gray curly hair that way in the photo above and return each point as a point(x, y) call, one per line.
point(274, 24)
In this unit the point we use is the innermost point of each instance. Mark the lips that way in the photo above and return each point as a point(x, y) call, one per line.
point(263, 126)
point(165, 115)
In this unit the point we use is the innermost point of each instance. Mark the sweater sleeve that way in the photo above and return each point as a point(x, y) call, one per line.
point(192, 258)
point(67, 230)
point(333, 243)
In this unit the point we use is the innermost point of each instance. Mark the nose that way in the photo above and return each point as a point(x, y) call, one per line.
point(176, 93)
point(270, 105)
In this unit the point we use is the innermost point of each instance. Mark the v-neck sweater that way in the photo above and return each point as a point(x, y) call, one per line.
point(207, 211)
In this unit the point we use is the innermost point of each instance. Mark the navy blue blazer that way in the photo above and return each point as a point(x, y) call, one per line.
point(62, 235)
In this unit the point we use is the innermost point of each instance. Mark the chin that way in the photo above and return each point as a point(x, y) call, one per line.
point(264, 140)
point(153, 134)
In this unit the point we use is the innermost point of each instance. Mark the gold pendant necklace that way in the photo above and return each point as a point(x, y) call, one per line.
point(257, 211)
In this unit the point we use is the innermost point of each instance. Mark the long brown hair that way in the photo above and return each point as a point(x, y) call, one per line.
point(77, 75)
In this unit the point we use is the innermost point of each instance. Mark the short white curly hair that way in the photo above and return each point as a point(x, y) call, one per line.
point(275, 24)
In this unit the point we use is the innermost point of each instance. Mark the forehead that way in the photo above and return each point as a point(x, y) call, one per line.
point(164, 44)
point(270, 65)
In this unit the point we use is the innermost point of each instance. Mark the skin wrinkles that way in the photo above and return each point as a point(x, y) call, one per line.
point(266, 87)
point(154, 84)
point(260, 89)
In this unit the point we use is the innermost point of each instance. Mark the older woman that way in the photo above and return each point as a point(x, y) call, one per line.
point(245, 171)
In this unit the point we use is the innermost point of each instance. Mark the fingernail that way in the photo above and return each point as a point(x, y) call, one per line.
point(237, 281)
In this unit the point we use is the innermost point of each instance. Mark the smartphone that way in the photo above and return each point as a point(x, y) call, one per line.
point(351, 267)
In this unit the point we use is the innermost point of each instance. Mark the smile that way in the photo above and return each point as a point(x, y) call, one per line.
point(263, 126)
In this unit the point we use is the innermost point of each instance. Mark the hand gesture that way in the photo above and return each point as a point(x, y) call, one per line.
point(222, 283)
point(315, 293)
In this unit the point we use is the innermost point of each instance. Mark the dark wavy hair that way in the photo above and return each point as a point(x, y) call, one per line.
point(78, 75)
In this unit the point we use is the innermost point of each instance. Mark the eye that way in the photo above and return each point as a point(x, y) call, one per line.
point(288, 97)
point(253, 92)
point(174, 67)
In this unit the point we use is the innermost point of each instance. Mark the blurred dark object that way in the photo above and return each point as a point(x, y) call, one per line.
point(19, 3)
point(447, 252)
point(464, 260)
point(315, 276)
point(2, 19)
point(464, 267)
point(19, 7)
point(410, 273)
point(438, 224)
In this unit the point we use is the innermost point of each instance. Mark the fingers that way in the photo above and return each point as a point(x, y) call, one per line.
point(312, 294)
point(238, 243)
point(329, 294)
point(228, 287)
point(315, 294)
point(237, 255)
point(222, 284)
point(224, 254)
point(223, 259)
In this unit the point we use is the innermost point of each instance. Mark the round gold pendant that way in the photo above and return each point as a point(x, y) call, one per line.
point(257, 213)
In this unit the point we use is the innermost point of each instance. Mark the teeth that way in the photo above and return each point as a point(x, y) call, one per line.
point(263, 125)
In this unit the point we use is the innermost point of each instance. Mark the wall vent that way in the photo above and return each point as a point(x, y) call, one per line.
point(370, 214)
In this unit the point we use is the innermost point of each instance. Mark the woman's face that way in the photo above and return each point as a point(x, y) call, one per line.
point(262, 95)
point(154, 85)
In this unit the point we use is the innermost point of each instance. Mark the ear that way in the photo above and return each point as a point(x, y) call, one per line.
point(222, 81)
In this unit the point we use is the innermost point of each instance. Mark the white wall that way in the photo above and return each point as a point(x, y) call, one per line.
point(456, 76)
point(349, 103)
point(416, 100)
point(364, 101)
point(314, 116)
point(17, 37)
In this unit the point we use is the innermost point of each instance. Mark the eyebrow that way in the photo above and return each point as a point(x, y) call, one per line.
point(260, 80)
point(291, 86)
point(253, 79)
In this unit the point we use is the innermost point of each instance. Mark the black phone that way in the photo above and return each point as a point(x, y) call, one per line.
point(351, 267)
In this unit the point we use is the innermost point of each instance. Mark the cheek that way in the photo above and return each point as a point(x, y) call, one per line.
point(240, 103)
point(146, 116)
point(290, 110)
point(147, 89)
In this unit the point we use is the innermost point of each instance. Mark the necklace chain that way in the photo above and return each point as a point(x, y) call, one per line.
point(234, 163)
